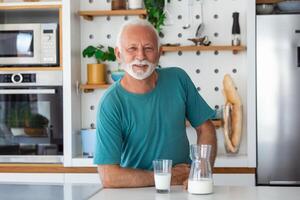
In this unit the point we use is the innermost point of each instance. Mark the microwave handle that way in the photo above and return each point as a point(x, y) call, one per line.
point(27, 91)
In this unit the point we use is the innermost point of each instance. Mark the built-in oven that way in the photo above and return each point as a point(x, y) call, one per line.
point(31, 117)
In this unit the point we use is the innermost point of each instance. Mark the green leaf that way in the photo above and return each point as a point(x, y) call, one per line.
point(89, 51)
point(99, 54)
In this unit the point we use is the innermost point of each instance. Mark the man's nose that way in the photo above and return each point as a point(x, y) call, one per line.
point(140, 54)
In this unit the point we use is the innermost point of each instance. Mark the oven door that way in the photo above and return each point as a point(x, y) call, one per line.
point(20, 44)
point(31, 124)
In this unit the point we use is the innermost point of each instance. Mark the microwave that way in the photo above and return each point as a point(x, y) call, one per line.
point(29, 45)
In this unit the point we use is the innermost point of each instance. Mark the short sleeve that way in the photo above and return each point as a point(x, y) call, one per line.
point(108, 135)
point(197, 110)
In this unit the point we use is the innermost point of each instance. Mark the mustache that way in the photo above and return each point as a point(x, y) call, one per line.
point(141, 62)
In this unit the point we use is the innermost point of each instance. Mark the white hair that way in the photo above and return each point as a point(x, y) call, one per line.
point(136, 22)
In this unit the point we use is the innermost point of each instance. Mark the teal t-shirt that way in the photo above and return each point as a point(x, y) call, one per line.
point(134, 129)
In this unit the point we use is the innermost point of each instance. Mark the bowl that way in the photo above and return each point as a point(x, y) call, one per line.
point(117, 75)
point(264, 8)
point(289, 6)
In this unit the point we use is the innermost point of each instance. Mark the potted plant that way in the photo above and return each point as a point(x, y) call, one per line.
point(36, 124)
point(155, 13)
point(97, 72)
point(16, 118)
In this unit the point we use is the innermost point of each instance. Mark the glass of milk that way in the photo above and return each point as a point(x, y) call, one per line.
point(162, 175)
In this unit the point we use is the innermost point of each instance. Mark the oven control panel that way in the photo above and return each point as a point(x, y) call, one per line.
point(18, 78)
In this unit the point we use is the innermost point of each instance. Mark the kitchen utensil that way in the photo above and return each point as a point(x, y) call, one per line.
point(169, 17)
point(200, 41)
point(200, 28)
point(236, 31)
point(200, 179)
point(190, 6)
point(197, 41)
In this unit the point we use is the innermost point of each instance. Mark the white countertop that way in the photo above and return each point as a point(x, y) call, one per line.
point(220, 193)
point(47, 191)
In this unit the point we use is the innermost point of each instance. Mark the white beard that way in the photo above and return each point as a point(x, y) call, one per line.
point(139, 74)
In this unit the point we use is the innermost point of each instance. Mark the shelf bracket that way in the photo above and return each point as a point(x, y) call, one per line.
point(142, 16)
point(88, 90)
point(88, 17)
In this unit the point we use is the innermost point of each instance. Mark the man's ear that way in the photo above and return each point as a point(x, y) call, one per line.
point(160, 52)
point(118, 54)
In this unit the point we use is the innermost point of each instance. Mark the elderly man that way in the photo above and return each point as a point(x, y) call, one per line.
point(142, 116)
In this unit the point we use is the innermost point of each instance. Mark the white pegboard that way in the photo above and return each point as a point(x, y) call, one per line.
point(206, 69)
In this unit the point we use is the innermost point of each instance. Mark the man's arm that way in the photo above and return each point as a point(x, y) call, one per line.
point(206, 134)
point(114, 176)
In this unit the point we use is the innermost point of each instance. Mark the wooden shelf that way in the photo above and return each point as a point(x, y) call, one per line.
point(90, 14)
point(30, 5)
point(92, 87)
point(267, 1)
point(234, 49)
point(40, 68)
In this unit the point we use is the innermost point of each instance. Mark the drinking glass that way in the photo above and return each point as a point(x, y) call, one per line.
point(162, 175)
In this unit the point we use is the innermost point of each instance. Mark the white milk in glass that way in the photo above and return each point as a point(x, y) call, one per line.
point(162, 181)
point(203, 186)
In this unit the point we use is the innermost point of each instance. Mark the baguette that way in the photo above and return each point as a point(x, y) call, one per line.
point(232, 115)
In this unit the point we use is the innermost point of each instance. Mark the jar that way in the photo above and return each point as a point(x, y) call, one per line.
point(118, 4)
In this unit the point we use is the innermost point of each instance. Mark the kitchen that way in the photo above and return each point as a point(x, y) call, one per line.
point(80, 99)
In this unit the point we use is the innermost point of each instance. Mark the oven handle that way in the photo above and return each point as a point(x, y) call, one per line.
point(27, 91)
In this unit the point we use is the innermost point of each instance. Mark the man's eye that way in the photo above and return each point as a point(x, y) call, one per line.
point(131, 49)
point(148, 49)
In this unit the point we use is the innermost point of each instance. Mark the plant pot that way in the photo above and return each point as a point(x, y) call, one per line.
point(135, 4)
point(96, 74)
point(36, 132)
point(17, 131)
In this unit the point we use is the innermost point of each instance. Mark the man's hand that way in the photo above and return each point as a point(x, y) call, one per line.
point(180, 173)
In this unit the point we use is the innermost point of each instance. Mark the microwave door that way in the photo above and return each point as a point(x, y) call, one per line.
point(19, 44)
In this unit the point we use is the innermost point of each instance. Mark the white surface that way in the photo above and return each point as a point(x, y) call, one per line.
point(219, 179)
point(50, 178)
point(220, 193)
point(32, 177)
point(234, 179)
point(47, 191)
point(82, 178)
point(204, 186)
point(251, 86)
point(162, 181)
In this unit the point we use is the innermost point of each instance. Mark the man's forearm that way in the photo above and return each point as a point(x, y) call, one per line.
point(206, 134)
point(118, 177)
